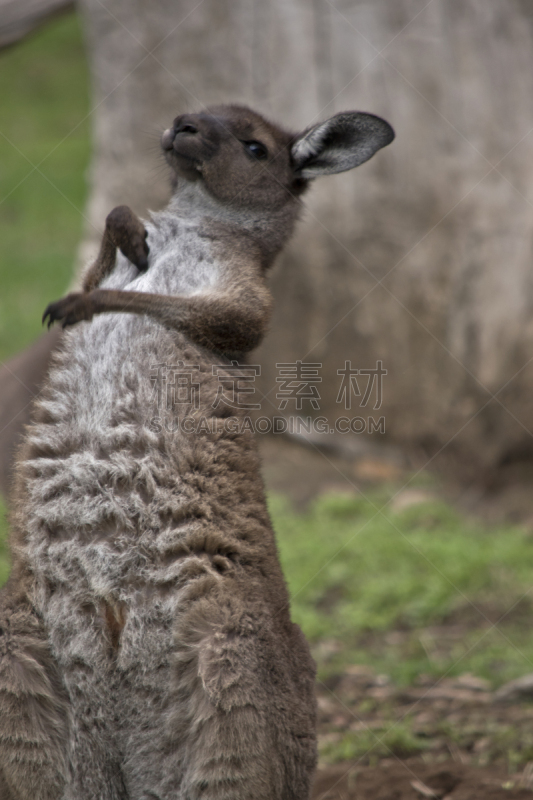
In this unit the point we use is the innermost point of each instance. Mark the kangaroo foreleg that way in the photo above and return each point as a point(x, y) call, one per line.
point(123, 229)
point(228, 323)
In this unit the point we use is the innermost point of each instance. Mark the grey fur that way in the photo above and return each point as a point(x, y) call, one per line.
point(147, 649)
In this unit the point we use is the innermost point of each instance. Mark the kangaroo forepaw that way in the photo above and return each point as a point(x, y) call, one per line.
point(136, 250)
point(73, 308)
point(129, 234)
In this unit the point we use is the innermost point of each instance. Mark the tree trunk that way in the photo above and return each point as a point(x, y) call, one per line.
point(18, 18)
point(421, 258)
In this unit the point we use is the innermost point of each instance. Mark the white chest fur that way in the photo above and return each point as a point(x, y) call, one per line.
point(181, 260)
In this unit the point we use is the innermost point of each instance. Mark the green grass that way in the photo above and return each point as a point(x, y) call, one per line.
point(43, 123)
point(391, 738)
point(355, 574)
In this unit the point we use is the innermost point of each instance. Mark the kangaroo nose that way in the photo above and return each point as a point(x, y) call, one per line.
point(167, 139)
point(186, 127)
point(179, 126)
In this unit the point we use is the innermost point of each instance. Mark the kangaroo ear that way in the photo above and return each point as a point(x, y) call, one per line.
point(342, 142)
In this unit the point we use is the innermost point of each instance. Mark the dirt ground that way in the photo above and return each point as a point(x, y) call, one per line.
point(473, 744)
point(414, 780)
point(464, 742)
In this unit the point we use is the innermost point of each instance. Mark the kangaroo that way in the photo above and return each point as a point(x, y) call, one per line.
point(146, 645)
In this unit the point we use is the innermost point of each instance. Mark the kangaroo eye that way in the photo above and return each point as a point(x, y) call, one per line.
point(256, 149)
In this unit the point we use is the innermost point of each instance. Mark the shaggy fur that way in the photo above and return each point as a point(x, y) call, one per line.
point(146, 647)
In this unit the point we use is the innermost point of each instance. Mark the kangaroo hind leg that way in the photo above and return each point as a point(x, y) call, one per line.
point(243, 732)
point(33, 710)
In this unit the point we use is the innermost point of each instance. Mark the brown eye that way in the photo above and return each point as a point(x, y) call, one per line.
point(256, 150)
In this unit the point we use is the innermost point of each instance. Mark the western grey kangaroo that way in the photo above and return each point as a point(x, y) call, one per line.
point(146, 646)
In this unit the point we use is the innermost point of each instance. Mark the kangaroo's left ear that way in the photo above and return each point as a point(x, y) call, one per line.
point(340, 143)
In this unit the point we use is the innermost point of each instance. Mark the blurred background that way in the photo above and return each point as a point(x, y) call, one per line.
point(408, 550)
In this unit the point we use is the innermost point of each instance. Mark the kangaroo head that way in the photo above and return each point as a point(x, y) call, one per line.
point(246, 161)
